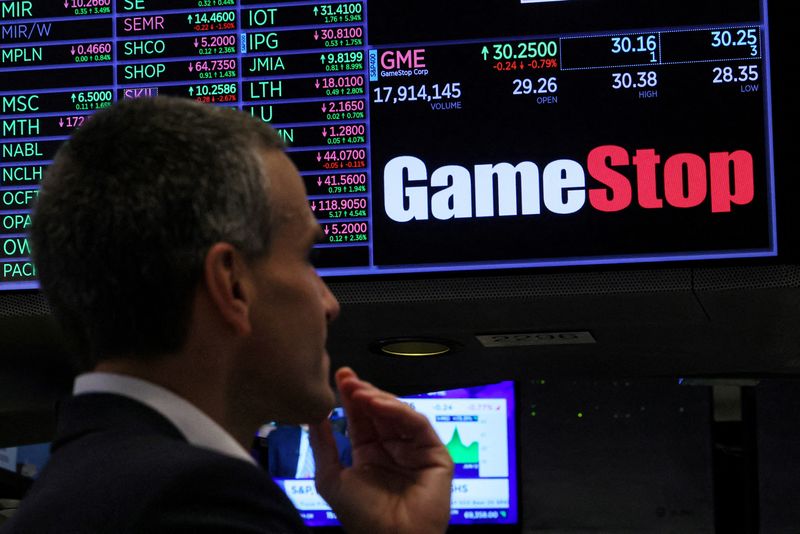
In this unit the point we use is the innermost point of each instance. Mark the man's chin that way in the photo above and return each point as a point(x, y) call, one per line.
point(327, 390)
point(327, 402)
point(315, 406)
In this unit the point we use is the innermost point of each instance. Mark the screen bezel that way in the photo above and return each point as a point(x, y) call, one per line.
point(788, 243)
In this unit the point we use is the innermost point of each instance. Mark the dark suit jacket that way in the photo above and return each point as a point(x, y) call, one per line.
point(119, 467)
point(283, 450)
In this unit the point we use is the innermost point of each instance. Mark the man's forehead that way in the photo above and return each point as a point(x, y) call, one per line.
point(299, 217)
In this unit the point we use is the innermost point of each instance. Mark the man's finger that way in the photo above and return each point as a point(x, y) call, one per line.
point(326, 455)
point(359, 421)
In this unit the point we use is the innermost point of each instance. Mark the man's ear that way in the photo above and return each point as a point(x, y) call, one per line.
point(230, 289)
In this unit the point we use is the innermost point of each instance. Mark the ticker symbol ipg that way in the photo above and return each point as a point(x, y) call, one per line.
point(397, 62)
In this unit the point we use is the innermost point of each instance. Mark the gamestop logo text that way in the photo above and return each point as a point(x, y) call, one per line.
point(682, 180)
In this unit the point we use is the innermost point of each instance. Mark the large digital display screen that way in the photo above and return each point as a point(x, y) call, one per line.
point(434, 136)
point(476, 424)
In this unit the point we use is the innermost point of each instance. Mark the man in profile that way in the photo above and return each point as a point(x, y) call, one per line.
point(172, 241)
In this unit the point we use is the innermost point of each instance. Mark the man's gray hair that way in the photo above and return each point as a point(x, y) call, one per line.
point(129, 208)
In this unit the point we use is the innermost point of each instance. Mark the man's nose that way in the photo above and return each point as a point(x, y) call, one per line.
point(331, 303)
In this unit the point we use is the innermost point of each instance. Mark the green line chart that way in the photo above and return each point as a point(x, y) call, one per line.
point(461, 453)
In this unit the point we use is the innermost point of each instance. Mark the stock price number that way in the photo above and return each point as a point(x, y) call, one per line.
point(213, 89)
point(342, 57)
point(351, 232)
point(527, 86)
point(634, 80)
point(87, 3)
point(628, 44)
point(88, 100)
point(335, 37)
point(215, 41)
point(343, 180)
point(213, 65)
point(328, 10)
point(212, 17)
point(529, 50)
point(729, 38)
point(88, 7)
point(90, 49)
point(741, 73)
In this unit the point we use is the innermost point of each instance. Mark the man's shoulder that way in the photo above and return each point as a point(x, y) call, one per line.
point(104, 478)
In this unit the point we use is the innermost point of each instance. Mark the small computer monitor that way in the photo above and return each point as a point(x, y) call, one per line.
point(477, 425)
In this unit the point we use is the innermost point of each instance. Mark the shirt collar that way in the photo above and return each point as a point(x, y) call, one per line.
point(198, 428)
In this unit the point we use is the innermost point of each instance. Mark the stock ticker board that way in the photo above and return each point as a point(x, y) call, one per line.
point(432, 136)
